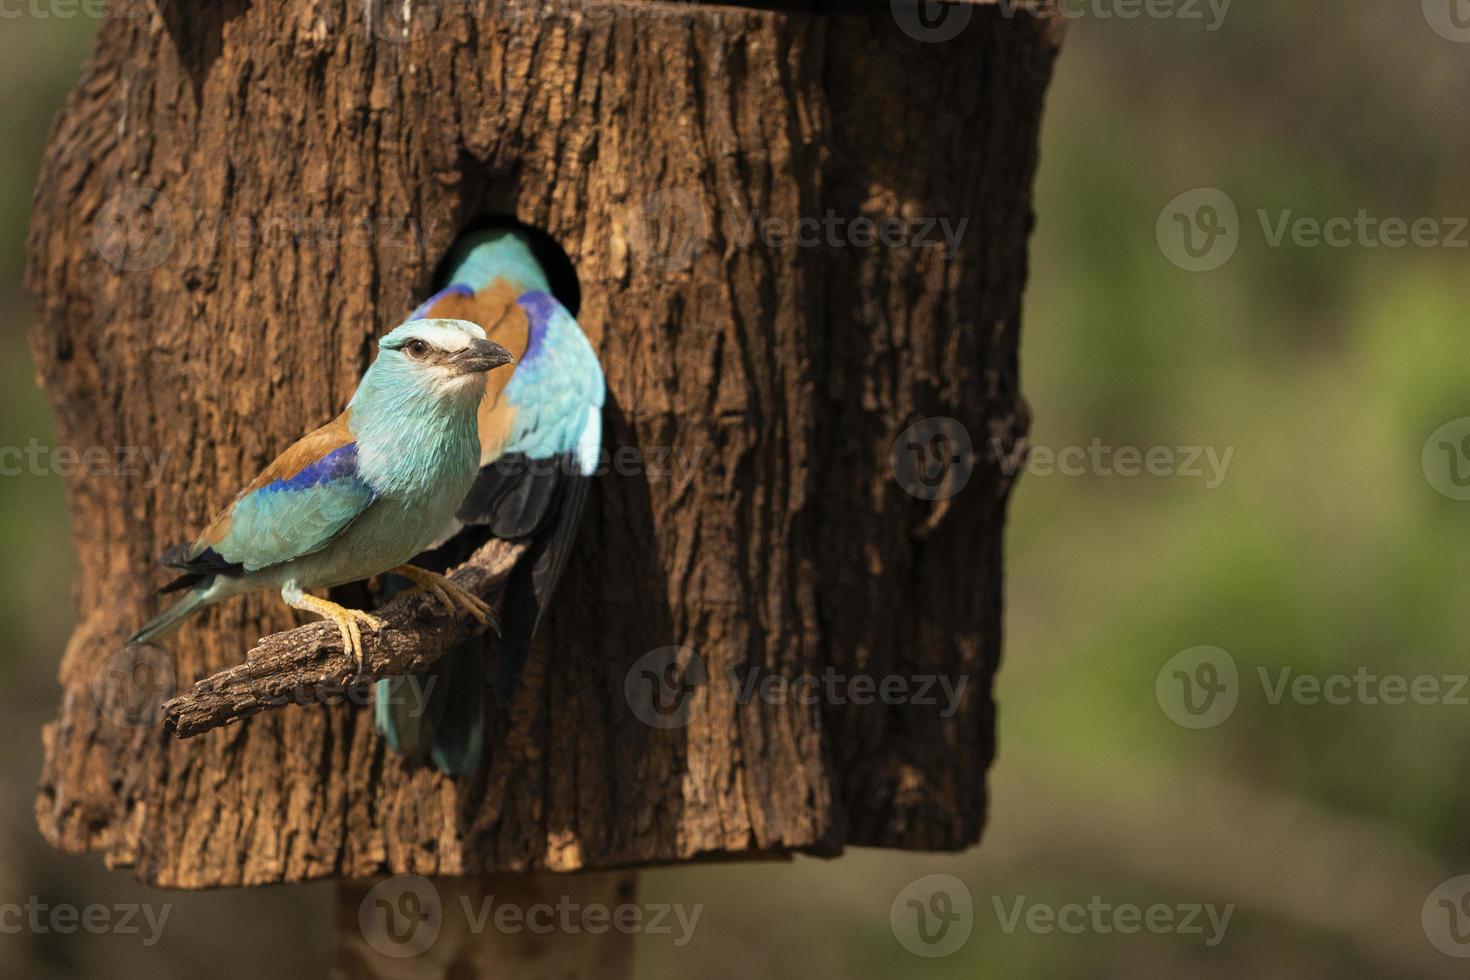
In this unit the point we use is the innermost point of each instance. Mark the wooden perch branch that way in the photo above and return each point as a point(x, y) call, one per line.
point(308, 665)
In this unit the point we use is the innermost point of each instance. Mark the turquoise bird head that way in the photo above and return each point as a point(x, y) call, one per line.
point(415, 407)
point(428, 362)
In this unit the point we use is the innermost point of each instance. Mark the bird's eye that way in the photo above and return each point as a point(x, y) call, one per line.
point(416, 349)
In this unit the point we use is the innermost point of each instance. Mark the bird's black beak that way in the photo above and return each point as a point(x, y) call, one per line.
point(480, 356)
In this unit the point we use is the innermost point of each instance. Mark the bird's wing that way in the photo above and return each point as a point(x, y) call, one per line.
point(544, 439)
point(543, 433)
point(303, 500)
point(540, 422)
point(540, 443)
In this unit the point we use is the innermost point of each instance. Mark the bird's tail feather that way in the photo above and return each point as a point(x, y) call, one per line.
point(168, 620)
point(401, 717)
point(461, 735)
point(437, 715)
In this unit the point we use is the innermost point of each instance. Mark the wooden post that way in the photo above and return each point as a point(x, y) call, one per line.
point(523, 926)
point(806, 423)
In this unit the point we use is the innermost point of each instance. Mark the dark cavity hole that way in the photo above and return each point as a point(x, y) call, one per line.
point(553, 258)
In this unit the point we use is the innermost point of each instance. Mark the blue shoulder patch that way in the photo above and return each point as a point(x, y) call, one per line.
point(540, 308)
point(298, 515)
point(335, 465)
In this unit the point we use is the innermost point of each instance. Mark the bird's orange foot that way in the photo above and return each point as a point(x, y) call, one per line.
point(454, 596)
point(346, 621)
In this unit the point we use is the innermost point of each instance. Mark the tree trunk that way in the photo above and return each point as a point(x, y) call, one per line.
point(239, 198)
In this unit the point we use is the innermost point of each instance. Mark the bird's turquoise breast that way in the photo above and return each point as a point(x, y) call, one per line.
point(418, 473)
point(388, 533)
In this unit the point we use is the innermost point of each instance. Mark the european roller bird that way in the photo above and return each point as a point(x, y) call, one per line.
point(540, 431)
point(359, 496)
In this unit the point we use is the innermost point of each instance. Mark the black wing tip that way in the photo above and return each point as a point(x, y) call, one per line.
point(183, 582)
point(517, 496)
point(207, 562)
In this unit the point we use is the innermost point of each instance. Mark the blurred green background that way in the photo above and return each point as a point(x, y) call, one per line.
point(1325, 548)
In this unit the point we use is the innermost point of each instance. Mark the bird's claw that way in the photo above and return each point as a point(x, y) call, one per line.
point(347, 626)
point(346, 620)
point(453, 596)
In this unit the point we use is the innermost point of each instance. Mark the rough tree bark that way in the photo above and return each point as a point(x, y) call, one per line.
point(238, 198)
